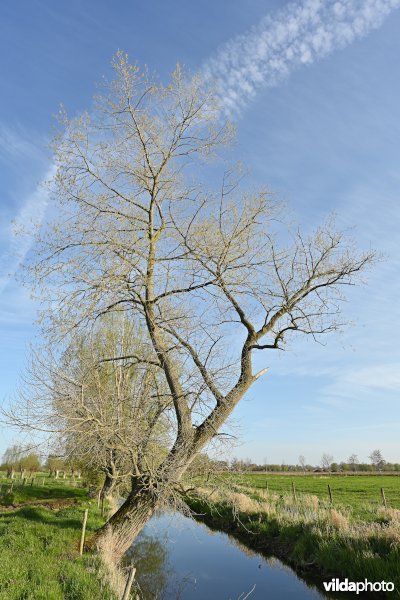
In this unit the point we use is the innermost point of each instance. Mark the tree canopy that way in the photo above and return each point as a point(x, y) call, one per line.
point(208, 273)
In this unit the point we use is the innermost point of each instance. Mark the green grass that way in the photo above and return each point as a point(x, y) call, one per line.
point(359, 495)
point(39, 554)
point(53, 488)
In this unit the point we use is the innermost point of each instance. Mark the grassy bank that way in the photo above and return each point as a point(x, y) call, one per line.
point(311, 536)
point(39, 544)
point(358, 495)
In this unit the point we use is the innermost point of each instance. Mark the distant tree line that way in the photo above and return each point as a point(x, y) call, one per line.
point(327, 464)
point(24, 461)
point(19, 459)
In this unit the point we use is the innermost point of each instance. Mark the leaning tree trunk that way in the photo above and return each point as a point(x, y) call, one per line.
point(146, 495)
point(129, 520)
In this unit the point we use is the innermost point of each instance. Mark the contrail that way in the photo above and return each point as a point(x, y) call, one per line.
point(297, 35)
point(20, 235)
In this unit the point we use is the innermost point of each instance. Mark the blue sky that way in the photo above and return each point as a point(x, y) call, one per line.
point(320, 128)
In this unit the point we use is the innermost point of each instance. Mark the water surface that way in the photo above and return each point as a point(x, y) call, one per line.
point(179, 558)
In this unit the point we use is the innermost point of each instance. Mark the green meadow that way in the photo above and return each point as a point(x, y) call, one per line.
point(42, 488)
point(40, 529)
point(358, 495)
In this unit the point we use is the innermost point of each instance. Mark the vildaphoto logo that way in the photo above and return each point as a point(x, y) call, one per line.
point(336, 585)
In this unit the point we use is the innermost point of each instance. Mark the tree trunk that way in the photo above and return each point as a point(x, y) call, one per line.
point(128, 521)
point(146, 495)
point(108, 486)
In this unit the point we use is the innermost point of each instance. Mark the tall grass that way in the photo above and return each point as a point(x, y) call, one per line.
point(113, 572)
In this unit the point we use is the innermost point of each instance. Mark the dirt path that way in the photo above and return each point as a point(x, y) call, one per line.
point(52, 503)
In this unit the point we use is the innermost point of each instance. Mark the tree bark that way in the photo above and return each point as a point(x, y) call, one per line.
point(128, 521)
point(108, 486)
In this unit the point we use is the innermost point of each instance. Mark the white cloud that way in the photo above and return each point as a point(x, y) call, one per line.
point(297, 35)
point(373, 426)
point(383, 377)
point(17, 144)
point(358, 383)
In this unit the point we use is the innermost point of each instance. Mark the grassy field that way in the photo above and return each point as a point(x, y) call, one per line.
point(355, 537)
point(358, 495)
point(39, 543)
point(43, 488)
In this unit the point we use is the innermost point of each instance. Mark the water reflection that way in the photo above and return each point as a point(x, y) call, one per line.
point(150, 558)
point(178, 558)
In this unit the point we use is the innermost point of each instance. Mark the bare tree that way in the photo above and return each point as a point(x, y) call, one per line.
point(54, 463)
point(96, 403)
point(302, 462)
point(201, 271)
point(377, 459)
point(12, 459)
point(326, 461)
point(353, 461)
point(31, 463)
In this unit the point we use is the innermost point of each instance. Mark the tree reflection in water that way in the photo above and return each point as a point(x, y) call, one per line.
point(156, 579)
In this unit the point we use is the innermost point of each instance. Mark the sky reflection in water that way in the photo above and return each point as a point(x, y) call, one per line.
point(176, 557)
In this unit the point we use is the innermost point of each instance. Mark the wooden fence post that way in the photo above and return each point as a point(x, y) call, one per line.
point(98, 499)
point(129, 582)
point(266, 484)
point(330, 494)
point(85, 516)
point(294, 492)
point(383, 498)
